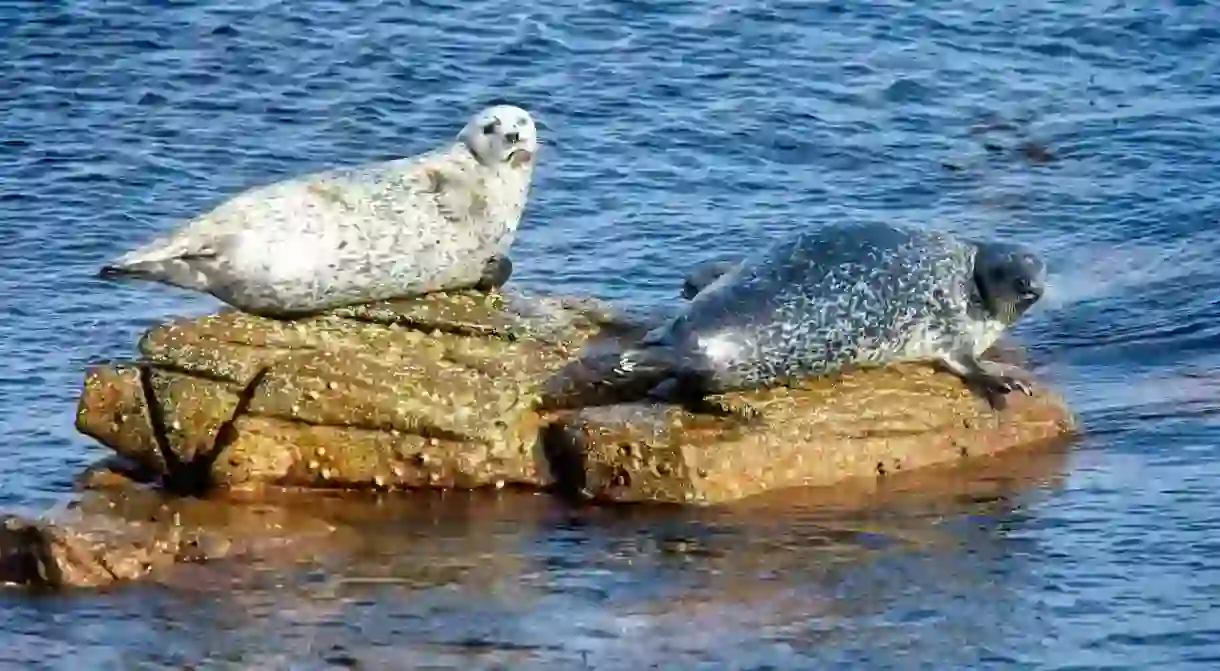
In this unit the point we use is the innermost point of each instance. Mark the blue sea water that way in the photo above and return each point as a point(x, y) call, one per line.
point(673, 130)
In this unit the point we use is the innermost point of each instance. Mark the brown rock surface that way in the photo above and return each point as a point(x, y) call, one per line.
point(440, 393)
point(434, 392)
point(69, 549)
point(860, 425)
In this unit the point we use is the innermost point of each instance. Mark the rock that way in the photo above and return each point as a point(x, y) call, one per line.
point(122, 534)
point(863, 425)
point(440, 392)
point(94, 552)
point(436, 392)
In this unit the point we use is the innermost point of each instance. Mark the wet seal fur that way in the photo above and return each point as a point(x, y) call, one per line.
point(819, 301)
point(438, 221)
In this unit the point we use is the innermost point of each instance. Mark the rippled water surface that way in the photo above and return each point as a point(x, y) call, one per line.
point(673, 130)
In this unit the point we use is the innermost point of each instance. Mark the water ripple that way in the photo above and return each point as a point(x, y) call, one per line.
point(672, 132)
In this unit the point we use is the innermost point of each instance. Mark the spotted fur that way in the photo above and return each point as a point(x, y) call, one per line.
point(818, 301)
point(392, 229)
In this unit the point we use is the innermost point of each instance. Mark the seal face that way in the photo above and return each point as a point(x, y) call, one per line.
point(818, 301)
point(395, 229)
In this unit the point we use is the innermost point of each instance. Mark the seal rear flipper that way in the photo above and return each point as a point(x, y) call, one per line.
point(610, 378)
point(705, 273)
point(174, 272)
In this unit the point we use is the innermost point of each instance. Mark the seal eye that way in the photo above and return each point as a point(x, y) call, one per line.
point(491, 126)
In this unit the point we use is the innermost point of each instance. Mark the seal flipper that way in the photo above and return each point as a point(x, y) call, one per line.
point(613, 377)
point(993, 383)
point(705, 273)
point(176, 272)
point(495, 274)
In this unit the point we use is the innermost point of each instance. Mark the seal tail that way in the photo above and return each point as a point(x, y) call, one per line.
point(169, 260)
point(609, 378)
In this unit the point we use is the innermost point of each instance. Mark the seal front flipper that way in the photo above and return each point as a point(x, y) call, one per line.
point(705, 273)
point(496, 272)
point(689, 390)
point(984, 374)
point(457, 197)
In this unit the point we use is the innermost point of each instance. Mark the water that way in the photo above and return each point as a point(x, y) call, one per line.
point(673, 131)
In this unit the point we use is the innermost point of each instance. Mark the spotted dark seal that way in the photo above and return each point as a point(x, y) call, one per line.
point(818, 301)
point(394, 229)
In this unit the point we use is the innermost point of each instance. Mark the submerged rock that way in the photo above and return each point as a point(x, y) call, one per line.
point(72, 550)
point(286, 541)
point(440, 392)
point(125, 533)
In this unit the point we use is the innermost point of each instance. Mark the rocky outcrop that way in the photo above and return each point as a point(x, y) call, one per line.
point(441, 393)
point(431, 393)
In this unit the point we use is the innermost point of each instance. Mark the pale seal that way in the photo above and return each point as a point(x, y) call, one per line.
point(819, 301)
point(438, 221)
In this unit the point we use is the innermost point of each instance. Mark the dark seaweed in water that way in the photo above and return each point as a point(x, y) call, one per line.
point(673, 132)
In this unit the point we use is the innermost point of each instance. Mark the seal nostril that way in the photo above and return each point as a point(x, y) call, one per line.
point(512, 137)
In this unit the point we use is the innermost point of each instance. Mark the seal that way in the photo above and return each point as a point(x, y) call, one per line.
point(818, 301)
point(438, 221)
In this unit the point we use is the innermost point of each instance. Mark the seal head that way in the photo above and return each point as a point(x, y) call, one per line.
point(1009, 279)
point(501, 134)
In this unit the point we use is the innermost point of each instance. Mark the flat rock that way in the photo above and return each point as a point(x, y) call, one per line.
point(74, 551)
point(859, 425)
point(441, 392)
